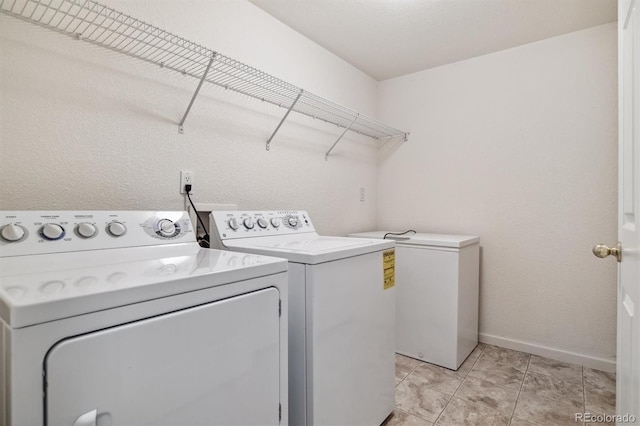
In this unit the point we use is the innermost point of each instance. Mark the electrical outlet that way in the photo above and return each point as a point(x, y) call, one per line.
point(362, 194)
point(186, 178)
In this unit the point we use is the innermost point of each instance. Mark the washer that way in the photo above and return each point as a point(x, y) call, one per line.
point(120, 318)
point(341, 314)
point(437, 295)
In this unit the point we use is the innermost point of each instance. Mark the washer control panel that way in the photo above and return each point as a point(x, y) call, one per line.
point(39, 232)
point(244, 224)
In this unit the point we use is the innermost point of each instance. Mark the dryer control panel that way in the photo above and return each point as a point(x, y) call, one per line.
point(40, 232)
point(246, 224)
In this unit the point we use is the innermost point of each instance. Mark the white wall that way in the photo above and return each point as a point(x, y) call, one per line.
point(85, 128)
point(520, 148)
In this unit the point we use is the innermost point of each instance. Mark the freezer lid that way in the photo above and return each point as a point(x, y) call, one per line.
point(423, 239)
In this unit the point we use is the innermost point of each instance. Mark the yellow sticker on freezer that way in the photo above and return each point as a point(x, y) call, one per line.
point(389, 268)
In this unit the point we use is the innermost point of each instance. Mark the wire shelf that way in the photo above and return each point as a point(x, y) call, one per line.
point(102, 26)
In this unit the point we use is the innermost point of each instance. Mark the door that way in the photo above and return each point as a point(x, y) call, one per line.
point(214, 364)
point(628, 350)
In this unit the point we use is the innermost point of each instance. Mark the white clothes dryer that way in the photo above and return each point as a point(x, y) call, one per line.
point(341, 314)
point(120, 318)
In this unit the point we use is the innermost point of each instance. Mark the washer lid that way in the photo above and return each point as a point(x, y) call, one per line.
point(308, 248)
point(47, 287)
point(423, 239)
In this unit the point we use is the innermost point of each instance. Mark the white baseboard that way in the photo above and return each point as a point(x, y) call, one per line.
point(557, 354)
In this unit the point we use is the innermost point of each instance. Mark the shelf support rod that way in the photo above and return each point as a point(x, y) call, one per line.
point(326, 156)
point(286, 114)
point(195, 95)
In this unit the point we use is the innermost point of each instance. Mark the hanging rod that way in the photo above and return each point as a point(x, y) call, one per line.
point(100, 25)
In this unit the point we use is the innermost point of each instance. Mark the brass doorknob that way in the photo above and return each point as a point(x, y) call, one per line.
point(603, 251)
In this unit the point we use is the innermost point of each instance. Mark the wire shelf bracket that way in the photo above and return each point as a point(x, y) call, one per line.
point(195, 95)
point(110, 29)
point(326, 155)
point(286, 114)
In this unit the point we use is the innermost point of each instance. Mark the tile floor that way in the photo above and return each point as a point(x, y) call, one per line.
point(497, 386)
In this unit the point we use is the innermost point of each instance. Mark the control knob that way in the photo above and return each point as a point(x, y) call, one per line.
point(116, 229)
point(166, 228)
point(262, 223)
point(12, 233)
point(248, 223)
point(86, 230)
point(52, 231)
point(233, 223)
point(275, 222)
point(293, 221)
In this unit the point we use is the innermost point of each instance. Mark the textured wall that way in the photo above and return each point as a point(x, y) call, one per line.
point(85, 128)
point(520, 148)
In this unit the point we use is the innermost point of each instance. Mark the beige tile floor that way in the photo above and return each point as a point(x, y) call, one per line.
point(497, 386)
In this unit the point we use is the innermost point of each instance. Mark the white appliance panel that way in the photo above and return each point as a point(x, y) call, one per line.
point(437, 303)
point(437, 296)
point(134, 228)
point(297, 345)
point(139, 314)
point(4, 379)
point(350, 350)
point(423, 327)
point(308, 248)
point(25, 348)
point(341, 320)
point(217, 374)
point(422, 239)
point(226, 225)
point(468, 301)
point(62, 285)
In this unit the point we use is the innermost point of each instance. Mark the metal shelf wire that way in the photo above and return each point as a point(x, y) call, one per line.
point(100, 25)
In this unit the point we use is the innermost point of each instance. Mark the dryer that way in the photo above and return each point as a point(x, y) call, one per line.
point(341, 314)
point(120, 318)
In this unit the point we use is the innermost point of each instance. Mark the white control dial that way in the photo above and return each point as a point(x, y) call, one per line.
point(293, 221)
point(275, 222)
point(86, 230)
point(52, 231)
point(262, 223)
point(248, 223)
point(12, 233)
point(166, 228)
point(233, 223)
point(116, 229)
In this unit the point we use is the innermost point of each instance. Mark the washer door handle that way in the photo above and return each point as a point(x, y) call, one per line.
point(87, 419)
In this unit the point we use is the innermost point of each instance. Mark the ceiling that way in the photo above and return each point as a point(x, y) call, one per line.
point(389, 38)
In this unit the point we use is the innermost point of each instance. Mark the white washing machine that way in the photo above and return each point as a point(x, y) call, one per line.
point(341, 315)
point(437, 295)
point(120, 318)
